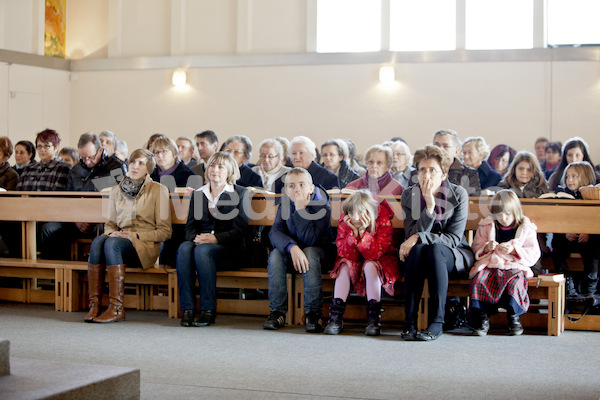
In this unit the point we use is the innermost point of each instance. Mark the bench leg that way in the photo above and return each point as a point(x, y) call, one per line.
point(173, 294)
point(556, 310)
point(59, 290)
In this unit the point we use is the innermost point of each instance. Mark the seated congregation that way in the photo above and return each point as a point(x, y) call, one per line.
point(364, 254)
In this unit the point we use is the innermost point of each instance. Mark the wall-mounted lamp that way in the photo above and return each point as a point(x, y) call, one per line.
point(387, 74)
point(179, 78)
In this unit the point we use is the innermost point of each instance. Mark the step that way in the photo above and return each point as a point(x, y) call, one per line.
point(36, 379)
point(4, 357)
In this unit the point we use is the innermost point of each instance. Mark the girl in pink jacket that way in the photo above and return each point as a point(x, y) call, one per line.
point(505, 247)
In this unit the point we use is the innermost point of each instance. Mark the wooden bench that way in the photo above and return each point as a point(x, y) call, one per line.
point(30, 207)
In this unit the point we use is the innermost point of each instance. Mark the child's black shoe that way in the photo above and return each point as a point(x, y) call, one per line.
point(314, 322)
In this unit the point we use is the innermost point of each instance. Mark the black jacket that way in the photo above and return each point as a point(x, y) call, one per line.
point(109, 172)
point(320, 176)
point(249, 177)
point(179, 178)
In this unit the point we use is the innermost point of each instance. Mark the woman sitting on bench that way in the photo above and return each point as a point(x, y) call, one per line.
point(435, 217)
point(139, 220)
point(214, 232)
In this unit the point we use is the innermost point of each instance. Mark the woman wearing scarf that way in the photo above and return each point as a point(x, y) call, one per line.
point(435, 248)
point(378, 179)
point(270, 167)
point(138, 221)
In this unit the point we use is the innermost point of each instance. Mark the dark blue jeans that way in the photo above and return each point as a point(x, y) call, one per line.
point(278, 265)
point(114, 251)
point(433, 262)
point(202, 261)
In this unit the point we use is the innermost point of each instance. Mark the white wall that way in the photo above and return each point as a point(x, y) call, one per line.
point(504, 102)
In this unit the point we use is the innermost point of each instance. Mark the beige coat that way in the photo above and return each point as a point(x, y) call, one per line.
point(148, 215)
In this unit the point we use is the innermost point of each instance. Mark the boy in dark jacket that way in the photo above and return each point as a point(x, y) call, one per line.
point(302, 237)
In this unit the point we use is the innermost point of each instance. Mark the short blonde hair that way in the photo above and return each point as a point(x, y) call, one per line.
point(300, 171)
point(146, 155)
point(389, 156)
point(586, 173)
point(361, 202)
point(224, 158)
point(163, 142)
point(433, 152)
point(507, 201)
point(479, 144)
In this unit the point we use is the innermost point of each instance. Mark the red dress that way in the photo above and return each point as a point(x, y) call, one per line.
point(378, 248)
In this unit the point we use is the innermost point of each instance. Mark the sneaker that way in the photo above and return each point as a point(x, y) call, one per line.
point(514, 325)
point(275, 321)
point(314, 322)
point(483, 328)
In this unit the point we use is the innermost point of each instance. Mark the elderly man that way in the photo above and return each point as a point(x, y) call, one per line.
point(185, 146)
point(459, 173)
point(95, 171)
point(240, 147)
point(207, 143)
point(109, 141)
point(303, 152)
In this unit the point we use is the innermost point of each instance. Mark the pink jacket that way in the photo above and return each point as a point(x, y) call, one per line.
point(525, 243)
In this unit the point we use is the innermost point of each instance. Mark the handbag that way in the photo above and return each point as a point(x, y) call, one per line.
point(580, 305)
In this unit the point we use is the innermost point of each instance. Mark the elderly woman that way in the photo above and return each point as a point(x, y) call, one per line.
point(215, 230)
point(8, 176)
point(303, 152)
point(334, 154)
point(401, 170)
point(24, 155)
point(240, 147)
point(138, 221)
point(475, 150)
point(271, 163)
point(109, 141)
point(435, 247)
point(501, 157)
point(50, 173)
point(170, 170)
point(378, 179)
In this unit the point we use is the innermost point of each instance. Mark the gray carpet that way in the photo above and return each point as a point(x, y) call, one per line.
point(237, 359)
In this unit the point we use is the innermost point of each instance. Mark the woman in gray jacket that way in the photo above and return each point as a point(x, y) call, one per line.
point(435, 216)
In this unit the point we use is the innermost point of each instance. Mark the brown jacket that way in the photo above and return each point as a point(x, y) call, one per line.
point(148, 215)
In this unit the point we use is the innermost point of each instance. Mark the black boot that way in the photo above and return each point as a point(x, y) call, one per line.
point(336, 317)
point(514, 323)
point(570, 287)
point(373, 318)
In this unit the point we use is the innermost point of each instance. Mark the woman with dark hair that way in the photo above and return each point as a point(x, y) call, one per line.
point(553, 155)
point(139, 220)
point(24, 155)
point(435, 248)
point(501, 157)
point(524, 177)
point(334, 155)
point(50, 173)
point(574, 150)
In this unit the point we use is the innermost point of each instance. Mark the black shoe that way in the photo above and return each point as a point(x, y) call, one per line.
point(275, 321)
point(373, 318)
point(409, 334)
point(427, 336)
point(483, 328)
point(188, 318)
point(206, 318)
point(514, 325)
point(336, 317)
point(314, 323)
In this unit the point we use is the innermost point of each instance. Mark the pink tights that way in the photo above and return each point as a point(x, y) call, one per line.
point(372, 282)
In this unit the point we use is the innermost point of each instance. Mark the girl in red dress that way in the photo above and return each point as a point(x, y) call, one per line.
point(366, 258)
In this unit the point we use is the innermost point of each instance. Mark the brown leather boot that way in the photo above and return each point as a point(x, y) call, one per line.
point(116, 290)
point(95, 284)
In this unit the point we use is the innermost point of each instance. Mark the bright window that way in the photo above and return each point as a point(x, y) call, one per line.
point(499, 24)
point(572, 22)
point(419, 25)
point(348, 25)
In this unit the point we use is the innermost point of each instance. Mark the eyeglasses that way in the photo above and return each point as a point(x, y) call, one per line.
point(268, 156)
point(44, 146)
point(90, 158)
point(162, 152)
point(432, 171)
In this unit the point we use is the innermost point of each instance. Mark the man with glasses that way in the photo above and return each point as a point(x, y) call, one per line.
point(459, 173)
point(95, 171)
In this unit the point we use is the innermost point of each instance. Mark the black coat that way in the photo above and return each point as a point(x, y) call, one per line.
point(320, 176)
point(179, 178)
point(109, 172)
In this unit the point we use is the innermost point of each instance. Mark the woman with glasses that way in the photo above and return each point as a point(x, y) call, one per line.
point(240, 147)
point(378, 179)
point(139, 220)
point(435, 248)
point(334, 154)
point(270, 166)
point(50, 173)
point(402, 169)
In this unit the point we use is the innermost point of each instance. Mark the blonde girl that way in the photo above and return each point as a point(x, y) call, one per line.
point(366, 259)
point(505, 247)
